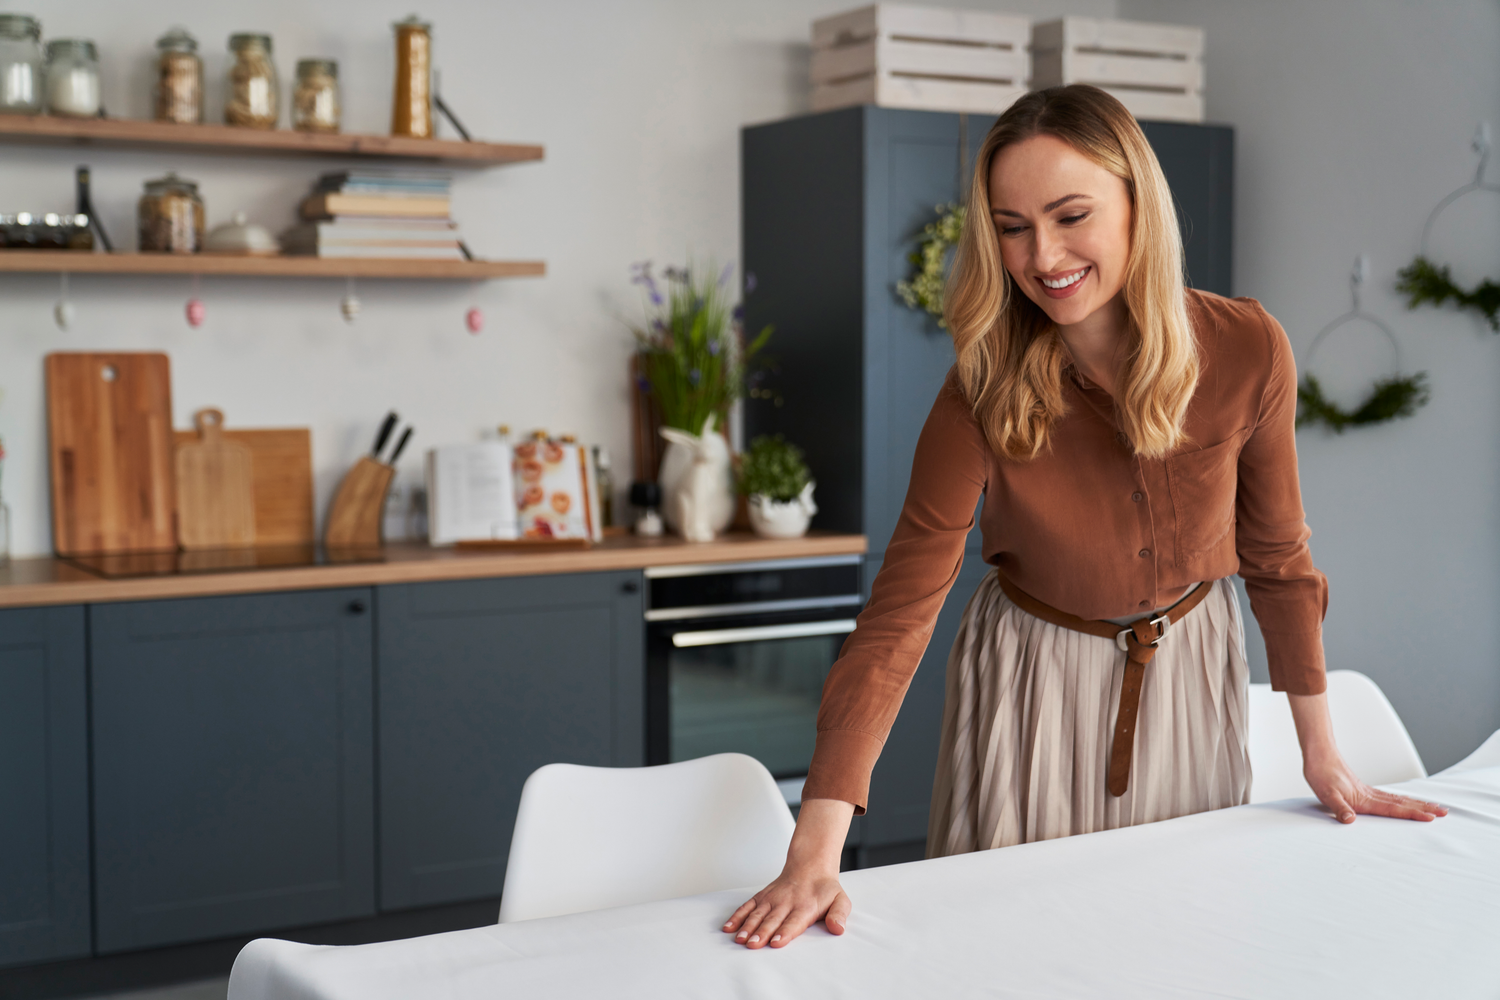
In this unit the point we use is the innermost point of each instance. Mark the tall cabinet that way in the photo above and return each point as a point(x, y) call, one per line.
point(832, 204)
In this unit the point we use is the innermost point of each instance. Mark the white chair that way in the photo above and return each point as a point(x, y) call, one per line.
point(587, 838)
point(1368, 731)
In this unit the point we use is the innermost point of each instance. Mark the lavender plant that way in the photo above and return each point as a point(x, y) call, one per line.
point(691, 353)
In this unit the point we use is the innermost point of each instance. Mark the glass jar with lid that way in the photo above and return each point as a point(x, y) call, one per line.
point(171, 216)
point(73, 78)
point(315, 102)
point(20, 65)
point(254, 89)
point(179, 78)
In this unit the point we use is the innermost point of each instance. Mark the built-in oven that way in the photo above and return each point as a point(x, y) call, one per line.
point(737, 655)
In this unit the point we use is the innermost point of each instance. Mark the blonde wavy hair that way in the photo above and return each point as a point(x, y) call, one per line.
point(1010, 355)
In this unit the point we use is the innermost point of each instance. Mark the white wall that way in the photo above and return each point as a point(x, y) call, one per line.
point(639, 105)
point(1353, 119)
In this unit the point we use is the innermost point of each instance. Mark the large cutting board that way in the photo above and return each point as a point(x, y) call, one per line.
point(109, 422)
point(282, 481)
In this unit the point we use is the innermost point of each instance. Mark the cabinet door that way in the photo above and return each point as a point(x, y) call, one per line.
point(901, 787)
point(44, 811)
point(233, 785)
point(1198, 161)
point(480, 683)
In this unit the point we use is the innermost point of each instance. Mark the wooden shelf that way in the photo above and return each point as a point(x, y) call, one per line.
point(77, 262)
point(228, 139)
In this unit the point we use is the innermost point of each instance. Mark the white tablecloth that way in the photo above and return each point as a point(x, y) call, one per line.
point(1273, 900)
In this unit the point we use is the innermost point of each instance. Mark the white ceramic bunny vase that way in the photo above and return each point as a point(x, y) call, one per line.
point(696, 483)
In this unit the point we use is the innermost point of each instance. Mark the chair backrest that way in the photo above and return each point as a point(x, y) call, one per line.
point(1368, 731)
point(587, 838)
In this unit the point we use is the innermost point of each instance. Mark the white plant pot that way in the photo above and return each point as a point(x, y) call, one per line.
point(676, 461)
point(782, 518)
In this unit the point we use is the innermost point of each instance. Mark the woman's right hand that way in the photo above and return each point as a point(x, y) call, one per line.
point(808, 888)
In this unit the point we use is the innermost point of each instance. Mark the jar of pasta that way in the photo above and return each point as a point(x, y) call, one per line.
point(253, 100)
point(171, 216)
point(315, 101)
point(179, 78)
point(20, 64)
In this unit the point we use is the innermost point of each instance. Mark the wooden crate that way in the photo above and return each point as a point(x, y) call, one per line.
point(1156, 70)
point(931, 58)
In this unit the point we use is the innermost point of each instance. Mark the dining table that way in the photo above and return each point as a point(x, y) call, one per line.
point(1269, 900)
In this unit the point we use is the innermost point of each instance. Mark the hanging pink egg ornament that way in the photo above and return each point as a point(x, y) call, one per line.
point(474, 319)
point(195, 312)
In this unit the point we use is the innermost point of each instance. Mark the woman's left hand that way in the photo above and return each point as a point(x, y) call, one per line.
point(1345, 795)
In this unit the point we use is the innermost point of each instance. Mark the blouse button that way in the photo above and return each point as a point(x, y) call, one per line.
point(1145, 552)
point(1137, 496)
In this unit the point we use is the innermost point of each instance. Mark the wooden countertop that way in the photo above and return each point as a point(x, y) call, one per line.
point(31, 582)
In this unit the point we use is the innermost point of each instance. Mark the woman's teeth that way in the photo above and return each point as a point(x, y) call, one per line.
point(1065, 282)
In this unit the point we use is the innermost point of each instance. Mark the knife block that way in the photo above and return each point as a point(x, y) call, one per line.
point(358, 509)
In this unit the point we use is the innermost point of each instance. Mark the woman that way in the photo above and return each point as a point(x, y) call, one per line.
point(1134, 442)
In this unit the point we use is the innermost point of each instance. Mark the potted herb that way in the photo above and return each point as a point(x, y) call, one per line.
point(775, 478)
point(691, 357)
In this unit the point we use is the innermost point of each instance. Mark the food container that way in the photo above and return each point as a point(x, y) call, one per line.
point(20, 65)
point(45, 231)
point(411, 111)
point(254, 89)
point(179, 78)
point(242, 238)
point(73, 78)
point(315, 100)
point(171, 216)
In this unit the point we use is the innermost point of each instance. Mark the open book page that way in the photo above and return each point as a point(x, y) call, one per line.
point(470, 493)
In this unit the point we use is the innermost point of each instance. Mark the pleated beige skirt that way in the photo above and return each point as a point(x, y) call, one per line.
point(1029, 719)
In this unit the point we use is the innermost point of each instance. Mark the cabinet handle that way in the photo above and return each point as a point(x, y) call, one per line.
point(629, 587)
point(356, 607)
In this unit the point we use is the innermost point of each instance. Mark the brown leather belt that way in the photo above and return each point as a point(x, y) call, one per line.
point(1139, 640)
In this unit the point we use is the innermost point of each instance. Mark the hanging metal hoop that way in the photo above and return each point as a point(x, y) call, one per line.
point(1389, 398)
point(1356, 279)
point(1480, 145)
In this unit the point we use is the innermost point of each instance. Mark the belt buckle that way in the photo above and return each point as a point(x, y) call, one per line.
point(1161, 622)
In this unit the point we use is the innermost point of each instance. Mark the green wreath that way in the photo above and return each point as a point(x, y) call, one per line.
point(1391, 398)
point(924, 289)
point(1423, 281)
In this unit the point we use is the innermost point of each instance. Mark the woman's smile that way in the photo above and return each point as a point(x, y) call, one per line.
point(1062, 284)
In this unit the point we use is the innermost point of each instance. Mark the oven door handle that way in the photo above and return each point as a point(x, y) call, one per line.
point(761, 633)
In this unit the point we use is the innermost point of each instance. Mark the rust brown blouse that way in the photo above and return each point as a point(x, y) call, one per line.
point(1092, 528)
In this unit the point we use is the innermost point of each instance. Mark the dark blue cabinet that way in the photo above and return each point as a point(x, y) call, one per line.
point(832, 204)
point(480, 683)
point(44, 815)
point(232, 759)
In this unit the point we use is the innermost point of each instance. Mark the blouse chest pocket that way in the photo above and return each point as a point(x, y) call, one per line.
point(1202, 483)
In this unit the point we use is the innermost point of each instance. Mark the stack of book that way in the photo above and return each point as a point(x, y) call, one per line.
point(377, 214)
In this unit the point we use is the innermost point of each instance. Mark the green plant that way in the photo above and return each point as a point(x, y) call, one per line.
point(924, 289)
point(1423, 281)
point(691, 353)
point(1391, 398)
point(773, 467)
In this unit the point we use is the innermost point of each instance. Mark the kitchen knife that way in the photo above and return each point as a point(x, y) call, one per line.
point(384, 435)
point(400, 444)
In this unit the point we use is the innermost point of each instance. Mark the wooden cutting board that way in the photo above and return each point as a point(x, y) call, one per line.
point(282, 482)
point(109, 428)
point(215, 488)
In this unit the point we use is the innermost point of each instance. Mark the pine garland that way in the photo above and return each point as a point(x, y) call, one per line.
point(1390, 399)
point(1423, 281)
point(924, 290)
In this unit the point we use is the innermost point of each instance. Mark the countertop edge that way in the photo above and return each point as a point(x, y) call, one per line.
point(408, 564)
